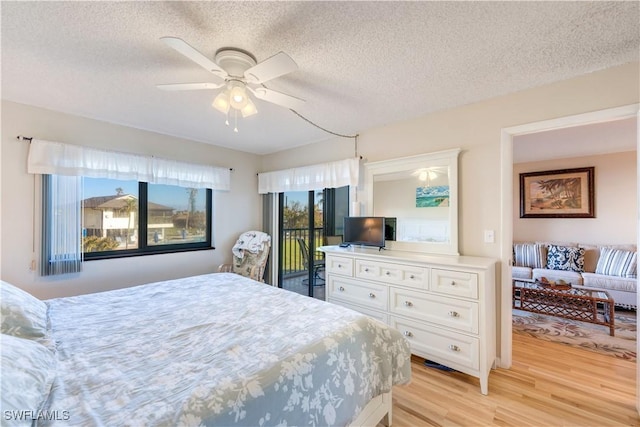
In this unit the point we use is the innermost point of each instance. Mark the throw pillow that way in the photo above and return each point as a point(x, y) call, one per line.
point(616, 262)
point(23, 315)
point(531, 255)
point(28, 371)
point(565, 258)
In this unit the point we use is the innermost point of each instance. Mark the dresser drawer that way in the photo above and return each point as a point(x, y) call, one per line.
point(339, 265)
point(406, 275)
point(440, 345)
point(457, 283)
point(378, 315)
point(369, 295)
point(453, 313)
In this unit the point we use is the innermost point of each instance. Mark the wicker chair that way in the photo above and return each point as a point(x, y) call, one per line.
point(252, 263)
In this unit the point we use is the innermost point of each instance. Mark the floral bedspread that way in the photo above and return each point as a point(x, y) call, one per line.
point(217, 349)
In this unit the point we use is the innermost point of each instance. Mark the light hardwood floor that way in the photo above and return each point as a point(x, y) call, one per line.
point(549, 384)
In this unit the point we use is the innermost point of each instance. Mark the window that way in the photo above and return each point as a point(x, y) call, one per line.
point(123, 218)
point(176, 215)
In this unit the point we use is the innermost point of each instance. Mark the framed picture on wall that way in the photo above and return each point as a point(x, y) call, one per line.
point(564, 193)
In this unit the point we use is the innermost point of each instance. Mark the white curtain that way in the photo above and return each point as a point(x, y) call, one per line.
point(62, 225)
point(55, 158)
point(314, 177)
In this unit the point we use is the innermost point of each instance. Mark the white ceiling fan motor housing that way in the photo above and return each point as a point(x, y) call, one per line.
point(235, 62)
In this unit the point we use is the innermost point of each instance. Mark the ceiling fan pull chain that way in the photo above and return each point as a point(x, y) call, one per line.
point(235, 115)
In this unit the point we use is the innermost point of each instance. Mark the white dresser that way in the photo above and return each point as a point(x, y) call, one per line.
point(444, 305)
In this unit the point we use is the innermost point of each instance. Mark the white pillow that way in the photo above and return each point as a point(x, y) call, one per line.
point(617, 262)
point(23, 315)
point(531, 255)
point(28, 371)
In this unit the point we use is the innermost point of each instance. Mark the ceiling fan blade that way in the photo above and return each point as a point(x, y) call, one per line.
point(270, 68)
point(189, 86)
point(279, 98)
point(190, 52)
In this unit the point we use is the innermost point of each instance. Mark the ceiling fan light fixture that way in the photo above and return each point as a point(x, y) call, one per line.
point(249, 109)
point(426, 175)
point(221, 102)
point(238, 95)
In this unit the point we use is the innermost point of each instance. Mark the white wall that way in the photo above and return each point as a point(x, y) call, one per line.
point(476, 130)
point(616, 198)
point(234, 212)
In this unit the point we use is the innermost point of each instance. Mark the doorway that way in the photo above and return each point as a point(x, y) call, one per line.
point(507, 206)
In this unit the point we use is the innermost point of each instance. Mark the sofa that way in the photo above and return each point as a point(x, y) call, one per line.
point(609, 267)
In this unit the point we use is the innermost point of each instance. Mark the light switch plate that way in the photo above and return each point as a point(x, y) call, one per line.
point(489, 236)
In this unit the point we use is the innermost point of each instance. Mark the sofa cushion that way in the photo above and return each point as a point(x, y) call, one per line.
point(571, 277)
point(521, 272)
point(591, 255)
point(531, 255)
point(606, 282)
point(566, 258)
point(617, 262)
point(558, 243)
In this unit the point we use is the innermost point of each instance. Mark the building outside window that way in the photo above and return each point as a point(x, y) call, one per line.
point(128, 217)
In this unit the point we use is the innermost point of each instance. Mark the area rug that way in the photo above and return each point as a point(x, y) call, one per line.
point(581, 334)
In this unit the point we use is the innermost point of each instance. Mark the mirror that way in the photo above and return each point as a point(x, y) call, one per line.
point(419, 197)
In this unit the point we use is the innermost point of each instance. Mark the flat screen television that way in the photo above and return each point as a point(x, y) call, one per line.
point(364, 230)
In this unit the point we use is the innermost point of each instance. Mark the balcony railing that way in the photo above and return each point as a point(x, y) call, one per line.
point(291, 253)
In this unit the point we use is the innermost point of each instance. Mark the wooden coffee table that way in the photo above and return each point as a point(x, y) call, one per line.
point(576, 303)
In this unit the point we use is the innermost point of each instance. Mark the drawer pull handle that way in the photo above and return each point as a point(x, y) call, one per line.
point(372, 295)
point(366, 270)
point(408, 303)
point(454, 314)
point(408, 334)
point(339, 265)
point(341, 289)
point(454, 347)
point(412, 277)
point(453, 283)
point(388, 273)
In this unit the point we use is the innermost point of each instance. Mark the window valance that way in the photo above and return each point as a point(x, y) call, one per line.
point(314, 177)
point(47, 157)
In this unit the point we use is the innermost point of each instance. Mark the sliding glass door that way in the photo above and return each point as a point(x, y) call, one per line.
point(306, 217)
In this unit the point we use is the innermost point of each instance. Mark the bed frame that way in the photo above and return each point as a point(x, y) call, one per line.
point(377, 410)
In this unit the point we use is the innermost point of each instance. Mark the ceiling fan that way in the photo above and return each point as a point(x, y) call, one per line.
point(238, 72)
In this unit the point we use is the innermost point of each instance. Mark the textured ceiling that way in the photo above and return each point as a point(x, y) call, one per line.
point(614, 136)
point(361, 64)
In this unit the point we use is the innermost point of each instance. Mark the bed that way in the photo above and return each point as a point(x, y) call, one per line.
point(217, 349)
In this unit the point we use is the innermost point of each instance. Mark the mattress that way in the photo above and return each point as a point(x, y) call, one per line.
point(217, 349)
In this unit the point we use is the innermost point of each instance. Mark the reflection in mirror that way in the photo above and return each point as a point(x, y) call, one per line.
point(418, 196)
point(418, 200)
